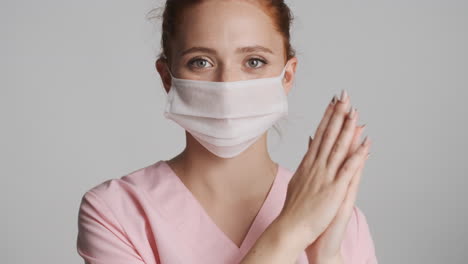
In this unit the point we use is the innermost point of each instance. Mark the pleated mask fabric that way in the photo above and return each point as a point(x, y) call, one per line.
point(226, 117)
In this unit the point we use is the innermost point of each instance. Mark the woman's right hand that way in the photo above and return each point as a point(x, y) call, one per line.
point(320, 183)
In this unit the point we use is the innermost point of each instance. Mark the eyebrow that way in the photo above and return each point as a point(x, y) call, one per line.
point(238, 50)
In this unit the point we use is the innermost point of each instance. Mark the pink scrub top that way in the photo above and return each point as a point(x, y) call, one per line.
point(149, 216)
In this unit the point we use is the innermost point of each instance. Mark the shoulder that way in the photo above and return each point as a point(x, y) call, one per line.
point(115, 200)
point(112, 190)
point(109, 213)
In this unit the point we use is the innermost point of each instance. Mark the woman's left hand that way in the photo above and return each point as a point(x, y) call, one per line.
point(326, 249)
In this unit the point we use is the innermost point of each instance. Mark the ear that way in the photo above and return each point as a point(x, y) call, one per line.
point(161, 65)
point(289, 75)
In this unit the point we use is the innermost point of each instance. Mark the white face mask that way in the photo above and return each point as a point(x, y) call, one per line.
point(227, 117)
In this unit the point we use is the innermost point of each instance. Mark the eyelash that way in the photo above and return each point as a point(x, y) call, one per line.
point(253, 58)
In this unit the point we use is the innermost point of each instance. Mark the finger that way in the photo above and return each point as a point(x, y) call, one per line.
point(333, 129)
point(357, 136)
point(312, 151)
point(351, 164)
point(348, 204)
point(341, 147)
point(354, 185)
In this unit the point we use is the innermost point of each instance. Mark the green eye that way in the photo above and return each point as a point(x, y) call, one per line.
point(255, 63)
point(198, 63)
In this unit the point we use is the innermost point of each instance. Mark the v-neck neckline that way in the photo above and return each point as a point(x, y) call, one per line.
point(259, 223)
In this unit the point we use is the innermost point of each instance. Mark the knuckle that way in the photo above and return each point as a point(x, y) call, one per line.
point(316, 183)
point(346, 167)
point(349, 125)
point(341, 109)
point(319, 131)
point(316, 167)
point(327, 173)
point(323, 169)
point(331, 175)
point(362, 150)
point(337, 147)
point(321, 163)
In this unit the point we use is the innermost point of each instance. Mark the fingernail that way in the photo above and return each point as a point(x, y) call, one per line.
point(344, 94)
point(362, 127)
point(333, 101)
point(366, 141)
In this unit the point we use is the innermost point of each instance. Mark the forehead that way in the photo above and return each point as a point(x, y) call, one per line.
point(226, 25)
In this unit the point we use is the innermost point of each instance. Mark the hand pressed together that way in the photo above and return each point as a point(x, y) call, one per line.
point(323, 190)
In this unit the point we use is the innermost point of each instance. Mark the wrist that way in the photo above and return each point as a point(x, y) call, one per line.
point(295, 233)
point(285, 236)
point(276, 245)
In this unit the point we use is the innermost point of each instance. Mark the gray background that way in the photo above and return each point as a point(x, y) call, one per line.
point(81, 103)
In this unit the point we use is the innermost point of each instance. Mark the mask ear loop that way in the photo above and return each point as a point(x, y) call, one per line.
point(168, 70)
point(171, 89)
point(283, 72)
point(281, 76)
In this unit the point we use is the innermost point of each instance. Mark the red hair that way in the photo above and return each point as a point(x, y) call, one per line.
point(277, 9)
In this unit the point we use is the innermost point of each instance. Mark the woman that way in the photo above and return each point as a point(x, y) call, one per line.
point(223, 199)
